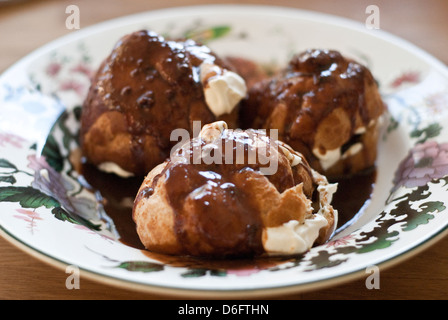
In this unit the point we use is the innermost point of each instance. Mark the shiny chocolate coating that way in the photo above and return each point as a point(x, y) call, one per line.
point(318, 103)
point(143, 90)
point(220, 209)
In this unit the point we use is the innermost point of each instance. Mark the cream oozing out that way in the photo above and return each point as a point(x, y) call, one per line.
point(295, 237)
point(223, 89)
point(329, 158)
point(112, 167)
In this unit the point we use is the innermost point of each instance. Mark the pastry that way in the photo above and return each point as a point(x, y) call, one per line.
point(323, 105)
point(147, 87)
point(234, 193)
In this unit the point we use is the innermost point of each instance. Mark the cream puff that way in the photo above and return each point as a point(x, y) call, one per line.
point(147, 87)
point(323, 105)
point(234, 193)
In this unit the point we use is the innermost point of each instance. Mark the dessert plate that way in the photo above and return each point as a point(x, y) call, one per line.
point(48, 210)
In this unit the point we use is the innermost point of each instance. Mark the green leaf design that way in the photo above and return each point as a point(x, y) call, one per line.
point(140, 266)
point(6, 164)
point(393, 125)
point(384, 240)
point(431, 131)
point(205, 35)
point(63, 215)
point(194, 273)
point(322, 260)
point(410, 211)
point(52, 154)
point(219, 31)
point(426, 214)
point(67, 137)
point(8, 179)
point(52, 149)
point(27, 197)
point(200, 272)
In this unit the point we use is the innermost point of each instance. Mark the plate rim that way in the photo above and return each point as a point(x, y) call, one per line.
point(169, 291)
point(284, 10)
point(122, 21)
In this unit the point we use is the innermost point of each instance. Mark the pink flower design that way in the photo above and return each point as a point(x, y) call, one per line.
point(11, 139)
point(72, 85)
point(83, 68)
point(243, 272)
point(406, 77)
point(89, 231)
point(53, 69)
point(28, 216)
point(340, 242)
point(425, 162)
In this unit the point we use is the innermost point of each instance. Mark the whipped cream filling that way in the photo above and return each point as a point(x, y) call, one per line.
point(326, 192)
point(223, 89)
point(330, 157)
point(293, 237)
point(111, 167)
point(292, 155)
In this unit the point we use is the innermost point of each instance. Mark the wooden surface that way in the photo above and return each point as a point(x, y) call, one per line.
point(29, 24)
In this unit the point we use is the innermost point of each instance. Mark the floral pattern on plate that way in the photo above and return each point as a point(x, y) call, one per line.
point(40, 188)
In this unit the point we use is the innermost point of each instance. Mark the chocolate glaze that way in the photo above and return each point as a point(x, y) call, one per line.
point(218, 208)
point(315, 83)
point(222, 198)
point(154, 85)
point(214, 200)
point(353, 195)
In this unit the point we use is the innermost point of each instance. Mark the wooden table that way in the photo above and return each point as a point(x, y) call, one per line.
point(27, 25)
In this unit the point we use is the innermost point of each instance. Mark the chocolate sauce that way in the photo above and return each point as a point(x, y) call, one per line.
point(220, 208)
point(213, 200)
point(143, 90)
point(118, 194)
point(218, 187)
point(238, 266)
point(316, 86)
point(117, 197)
point(352, 196)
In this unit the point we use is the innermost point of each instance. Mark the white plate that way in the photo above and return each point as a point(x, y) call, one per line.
point(47, 212)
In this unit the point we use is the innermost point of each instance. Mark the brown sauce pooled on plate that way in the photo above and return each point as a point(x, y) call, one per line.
point(216, 205)
point(352, 196)
point(118, 194)
point(117, 199)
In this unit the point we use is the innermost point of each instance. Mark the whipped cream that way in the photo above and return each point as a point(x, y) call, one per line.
point(223, 89)
point(292, 155)
point(293, 237)
point(111, 167)
point(212, 131)
point(325, 198)
point(329, 158)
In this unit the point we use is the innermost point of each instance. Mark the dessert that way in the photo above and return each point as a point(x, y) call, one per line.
point(253, 181)
point(144, 89)
point(325, 106)
point(232, 193)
